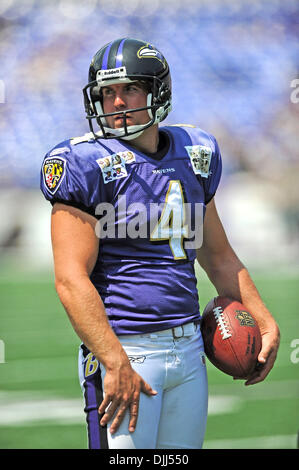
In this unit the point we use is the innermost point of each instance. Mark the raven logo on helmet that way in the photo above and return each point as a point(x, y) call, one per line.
point(150, 52)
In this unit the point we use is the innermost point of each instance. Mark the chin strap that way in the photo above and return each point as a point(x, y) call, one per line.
point(135, 131)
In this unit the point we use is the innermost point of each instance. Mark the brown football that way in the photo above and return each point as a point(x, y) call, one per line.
point(231, 336)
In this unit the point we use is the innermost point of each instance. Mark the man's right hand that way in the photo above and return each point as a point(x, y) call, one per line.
point(122, 387)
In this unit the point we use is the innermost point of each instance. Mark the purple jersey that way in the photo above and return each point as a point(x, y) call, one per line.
point(147, 211)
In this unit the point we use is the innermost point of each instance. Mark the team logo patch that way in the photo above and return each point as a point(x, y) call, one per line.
point(245, 319)
point(113, 167)
point(53, 173)
point(91, 365)
point(200, 156)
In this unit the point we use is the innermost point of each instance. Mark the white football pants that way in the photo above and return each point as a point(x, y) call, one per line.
point(173, 363)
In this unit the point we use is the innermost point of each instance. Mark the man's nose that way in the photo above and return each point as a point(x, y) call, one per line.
point(119, 101)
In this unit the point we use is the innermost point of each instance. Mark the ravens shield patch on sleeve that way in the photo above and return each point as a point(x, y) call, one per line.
point(53, 173)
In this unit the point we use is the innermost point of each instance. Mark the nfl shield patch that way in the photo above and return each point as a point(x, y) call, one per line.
point(53, 173)
point(245, 318)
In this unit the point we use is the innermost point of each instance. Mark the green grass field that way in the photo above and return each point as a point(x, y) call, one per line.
point(41, 405)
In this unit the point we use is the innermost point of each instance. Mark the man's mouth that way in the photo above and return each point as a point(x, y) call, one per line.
point(121, 119)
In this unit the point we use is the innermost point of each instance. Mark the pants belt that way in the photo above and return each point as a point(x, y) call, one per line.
point(178, 332)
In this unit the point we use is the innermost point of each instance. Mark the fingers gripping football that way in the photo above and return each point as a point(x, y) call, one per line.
point(267, 356)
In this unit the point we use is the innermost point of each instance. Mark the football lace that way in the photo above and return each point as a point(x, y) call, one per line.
point(222, 324)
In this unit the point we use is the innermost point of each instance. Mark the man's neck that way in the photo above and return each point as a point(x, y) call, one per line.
point(148, 141)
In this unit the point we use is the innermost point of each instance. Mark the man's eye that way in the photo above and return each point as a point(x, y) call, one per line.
point(132, 88)
point(107, 92)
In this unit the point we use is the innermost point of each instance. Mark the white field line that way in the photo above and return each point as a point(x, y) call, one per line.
point(34, 412)
point(18, 409)
point(222, 404)
point(27, 409)
point(30, 408)
point(52, 411)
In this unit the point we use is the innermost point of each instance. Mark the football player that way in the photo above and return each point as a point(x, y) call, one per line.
point(133, 300)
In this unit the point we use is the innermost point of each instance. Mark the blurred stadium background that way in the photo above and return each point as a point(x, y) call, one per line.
point(235, 71)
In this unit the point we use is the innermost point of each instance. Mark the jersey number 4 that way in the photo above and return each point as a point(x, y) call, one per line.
point(172, 222)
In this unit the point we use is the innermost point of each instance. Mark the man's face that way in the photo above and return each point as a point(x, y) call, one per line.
point(120, 97)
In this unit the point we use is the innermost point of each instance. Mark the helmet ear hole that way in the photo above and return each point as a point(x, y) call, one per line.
point(96, 94)
point(164, 94)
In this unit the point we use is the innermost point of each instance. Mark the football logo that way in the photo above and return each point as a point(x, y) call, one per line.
point(245, 319)
point(53, 173)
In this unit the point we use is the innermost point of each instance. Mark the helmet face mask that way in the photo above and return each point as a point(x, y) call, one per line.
point(138, 62)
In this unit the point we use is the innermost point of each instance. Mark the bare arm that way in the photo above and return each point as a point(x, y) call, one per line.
point(231, 279)
point(75, 250)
